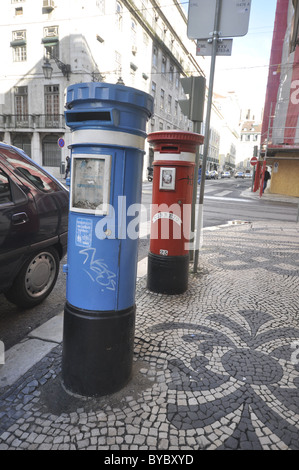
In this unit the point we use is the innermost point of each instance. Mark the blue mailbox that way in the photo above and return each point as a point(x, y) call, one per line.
point(108, 125)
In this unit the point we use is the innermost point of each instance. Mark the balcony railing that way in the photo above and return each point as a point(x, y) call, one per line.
point(32, 121)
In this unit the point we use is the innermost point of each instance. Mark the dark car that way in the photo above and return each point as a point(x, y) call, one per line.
point(33, 228)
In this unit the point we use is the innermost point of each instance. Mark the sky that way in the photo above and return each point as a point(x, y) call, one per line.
point(246, 70)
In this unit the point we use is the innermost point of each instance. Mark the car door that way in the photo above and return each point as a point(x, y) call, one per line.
point(18, 223)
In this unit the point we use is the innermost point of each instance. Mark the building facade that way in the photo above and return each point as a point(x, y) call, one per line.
point(226, 119)
point(250, 140)
point(280, 128)
point(49, 44)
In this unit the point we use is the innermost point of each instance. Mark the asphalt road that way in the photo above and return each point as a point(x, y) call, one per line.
point(223, 202)
point(227, 200)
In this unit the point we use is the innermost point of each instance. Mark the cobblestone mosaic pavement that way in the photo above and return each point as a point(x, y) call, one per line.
point(214, 368)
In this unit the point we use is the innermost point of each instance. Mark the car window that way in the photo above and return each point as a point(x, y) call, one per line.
point(32, 173)
point(5, 193)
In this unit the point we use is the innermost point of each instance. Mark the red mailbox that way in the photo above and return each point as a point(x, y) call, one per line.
point(174, 164)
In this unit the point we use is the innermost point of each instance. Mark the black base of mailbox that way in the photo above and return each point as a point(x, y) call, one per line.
point(97, 350)
point(167, 274)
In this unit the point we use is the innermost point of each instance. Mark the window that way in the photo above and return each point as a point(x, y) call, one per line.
point(133, 67)
point(36, 177)
point(169, 103)
point(163, 66)
point(162, 98)
point(52, 105)
point(294, 40)
point(5, 194)
point(155, 56)
point(51, 32)
point(19, 46)
point(144, 7)
point(119, 15)
point(28, 170)
point(22, 141)
point(133, 32)
point(21, 105)
point(118, 63)
point(171, 72)
point(18, 11)
point(152, 125)
point(101, 6)
point(154, 89)
point(51, 41)
point(176, 104)
point(145, 39)
point(164, 31)
point(51, 151)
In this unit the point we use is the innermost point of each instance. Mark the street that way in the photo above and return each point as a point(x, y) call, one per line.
point(224, 201)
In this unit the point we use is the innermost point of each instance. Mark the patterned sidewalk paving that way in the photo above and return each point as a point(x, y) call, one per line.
point(214, 368)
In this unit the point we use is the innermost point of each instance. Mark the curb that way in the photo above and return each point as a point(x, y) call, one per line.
point(270, 197)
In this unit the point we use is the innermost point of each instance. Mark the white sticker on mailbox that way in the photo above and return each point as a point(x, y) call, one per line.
point(83, 232)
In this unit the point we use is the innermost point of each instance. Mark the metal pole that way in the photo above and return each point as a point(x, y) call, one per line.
point(266, 152)
point(197, 128)
point(253, 178)
point(207, 132)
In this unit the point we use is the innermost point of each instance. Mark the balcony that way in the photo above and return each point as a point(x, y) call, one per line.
point(48, 5)
point(32, 121)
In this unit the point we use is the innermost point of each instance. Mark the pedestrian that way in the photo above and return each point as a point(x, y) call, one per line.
point(267, 177)
point(199, 175)
point(67, 170)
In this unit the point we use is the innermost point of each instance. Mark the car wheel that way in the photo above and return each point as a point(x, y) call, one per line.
point(36, 279)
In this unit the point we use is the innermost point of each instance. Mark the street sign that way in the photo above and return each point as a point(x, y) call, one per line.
point(254, 161)
point(234, 18)
point(61, 143)
point(224, 47)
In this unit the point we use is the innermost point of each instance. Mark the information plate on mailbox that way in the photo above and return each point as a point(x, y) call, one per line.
point(90, 183)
